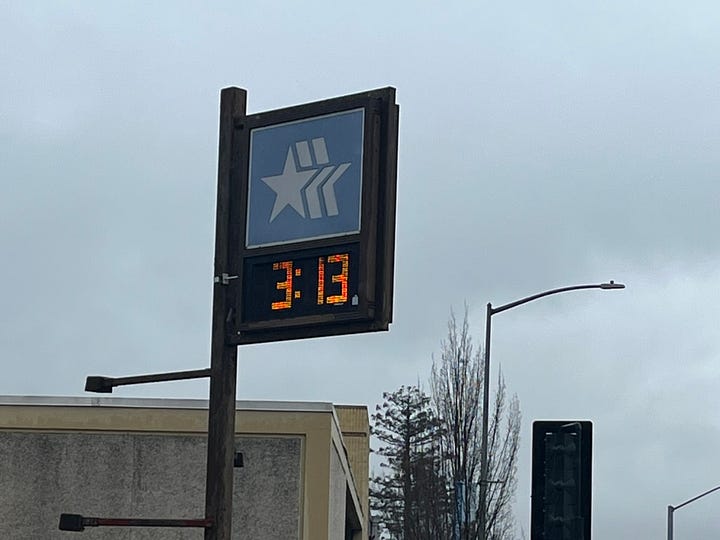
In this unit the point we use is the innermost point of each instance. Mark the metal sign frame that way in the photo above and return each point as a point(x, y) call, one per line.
point(375, 240)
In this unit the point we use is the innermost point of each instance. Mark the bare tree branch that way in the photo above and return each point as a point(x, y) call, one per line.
point(432, 450)
point(456, 386)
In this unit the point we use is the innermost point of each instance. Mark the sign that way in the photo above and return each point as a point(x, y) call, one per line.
point(312, 208)
point(296, 192)
point(561, 506)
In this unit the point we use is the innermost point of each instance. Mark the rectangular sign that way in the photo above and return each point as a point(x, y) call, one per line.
point(305, 179)
point(312, 219)
point(561, 506)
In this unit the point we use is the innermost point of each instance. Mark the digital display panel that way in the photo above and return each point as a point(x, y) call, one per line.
point(301, 283)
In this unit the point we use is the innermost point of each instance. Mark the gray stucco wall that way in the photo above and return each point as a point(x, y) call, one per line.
point(142, 475)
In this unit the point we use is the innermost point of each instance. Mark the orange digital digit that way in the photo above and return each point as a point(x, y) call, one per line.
point(341, 278)
point(286, 285)
point(321, 281)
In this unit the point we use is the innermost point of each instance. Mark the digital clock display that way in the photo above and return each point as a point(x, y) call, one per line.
point(297, 284)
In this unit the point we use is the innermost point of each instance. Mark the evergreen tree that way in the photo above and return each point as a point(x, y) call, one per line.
point(411, 497)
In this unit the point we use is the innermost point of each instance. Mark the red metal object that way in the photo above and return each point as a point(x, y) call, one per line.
point(132, 522)
point(76, 522)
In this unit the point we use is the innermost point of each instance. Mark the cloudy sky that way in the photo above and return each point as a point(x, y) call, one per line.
point(542, 144)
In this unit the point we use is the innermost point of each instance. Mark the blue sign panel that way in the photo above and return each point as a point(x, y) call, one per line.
point(305, 179)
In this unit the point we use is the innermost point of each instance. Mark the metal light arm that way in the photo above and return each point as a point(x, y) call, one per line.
point(609, 285)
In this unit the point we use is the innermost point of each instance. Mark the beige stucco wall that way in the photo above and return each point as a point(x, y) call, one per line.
point(355, 427)
point(312, 432)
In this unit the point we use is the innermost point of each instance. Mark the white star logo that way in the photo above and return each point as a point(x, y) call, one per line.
point(288, 186)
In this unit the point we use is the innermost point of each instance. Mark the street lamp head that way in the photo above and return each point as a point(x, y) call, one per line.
point(101, 385)
point(612, 285)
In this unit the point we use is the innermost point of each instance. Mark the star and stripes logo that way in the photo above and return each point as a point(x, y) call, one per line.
point(305, 179)
point(308, 181)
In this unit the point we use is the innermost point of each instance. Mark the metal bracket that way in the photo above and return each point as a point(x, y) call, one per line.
point(224, 278)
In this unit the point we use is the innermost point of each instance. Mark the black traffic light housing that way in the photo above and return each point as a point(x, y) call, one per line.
point(561, 480)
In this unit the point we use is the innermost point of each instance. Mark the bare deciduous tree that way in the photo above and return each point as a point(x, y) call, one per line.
point(456, 386)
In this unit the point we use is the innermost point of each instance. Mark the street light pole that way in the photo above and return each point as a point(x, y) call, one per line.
point(484, 465)
point(671, 509)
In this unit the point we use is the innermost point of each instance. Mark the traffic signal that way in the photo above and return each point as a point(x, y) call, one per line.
point(561, 480)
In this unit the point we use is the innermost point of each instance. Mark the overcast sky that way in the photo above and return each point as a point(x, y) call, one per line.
point(542, 144)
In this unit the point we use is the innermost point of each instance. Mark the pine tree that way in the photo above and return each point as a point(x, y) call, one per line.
point(411, 498)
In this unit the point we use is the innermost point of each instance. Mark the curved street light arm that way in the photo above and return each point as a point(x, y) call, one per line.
point(610, 285)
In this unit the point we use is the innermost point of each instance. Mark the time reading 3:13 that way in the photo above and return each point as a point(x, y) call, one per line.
point(328, 280)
